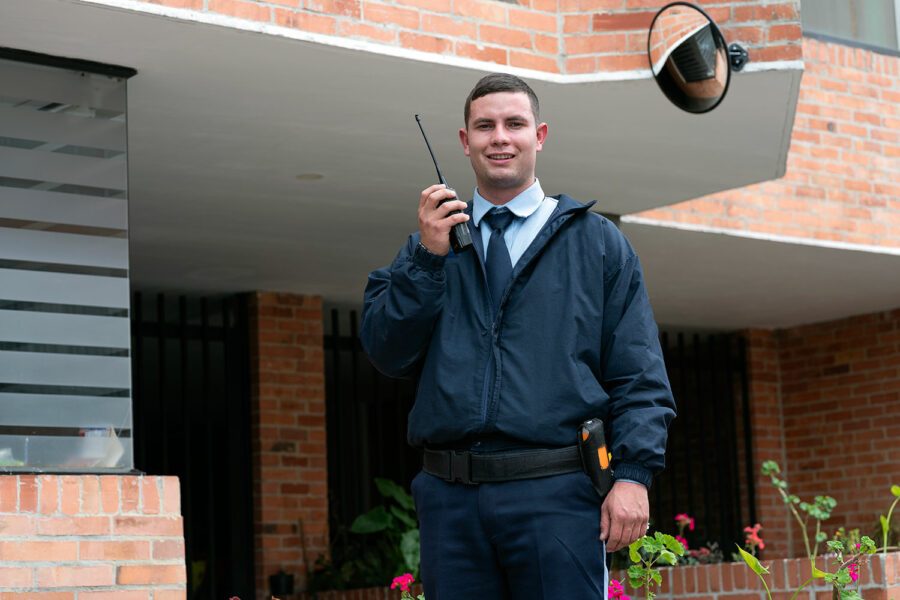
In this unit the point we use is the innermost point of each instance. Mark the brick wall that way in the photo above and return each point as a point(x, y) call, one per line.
point(843, 170)
point(290, 475)
point(766, 425)
point(841, 403)
point(555, 36)
point(90, 537)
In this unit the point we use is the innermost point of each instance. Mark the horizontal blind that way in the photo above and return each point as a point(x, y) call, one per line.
point(65, 344)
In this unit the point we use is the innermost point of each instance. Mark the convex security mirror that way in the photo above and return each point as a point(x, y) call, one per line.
point(689, 57)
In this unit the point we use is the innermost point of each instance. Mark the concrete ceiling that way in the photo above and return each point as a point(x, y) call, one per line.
point(702, 279)
point(223, 120)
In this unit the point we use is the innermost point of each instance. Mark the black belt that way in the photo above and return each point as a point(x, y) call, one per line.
point(485, 467)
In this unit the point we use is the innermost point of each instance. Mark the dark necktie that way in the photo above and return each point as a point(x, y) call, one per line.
point(497, 262)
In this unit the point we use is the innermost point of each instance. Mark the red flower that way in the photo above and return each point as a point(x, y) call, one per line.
point(683, 520)
point(403, 582)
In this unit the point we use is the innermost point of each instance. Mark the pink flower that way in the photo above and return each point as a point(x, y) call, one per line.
point(683, 520)
point(853, 568)
point(683, 541)
point(616, 591)
point(403, 582)
point(752, 537)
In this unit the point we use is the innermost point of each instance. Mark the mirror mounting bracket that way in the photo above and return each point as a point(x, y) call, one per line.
point(738, 56)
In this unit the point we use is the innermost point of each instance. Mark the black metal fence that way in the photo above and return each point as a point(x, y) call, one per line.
point(192, 420)
point(709, 452)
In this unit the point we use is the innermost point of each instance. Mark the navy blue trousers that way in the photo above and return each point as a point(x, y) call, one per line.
point(521, 540)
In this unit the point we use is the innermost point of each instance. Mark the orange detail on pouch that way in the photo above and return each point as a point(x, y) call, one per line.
point(604, 457)
point(584, 435)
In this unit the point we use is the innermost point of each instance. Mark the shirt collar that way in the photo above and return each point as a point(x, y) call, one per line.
point(522, 205)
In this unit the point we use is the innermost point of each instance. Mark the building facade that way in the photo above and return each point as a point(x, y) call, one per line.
point(271, 152)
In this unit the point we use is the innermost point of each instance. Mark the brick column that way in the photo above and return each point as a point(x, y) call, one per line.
point(767, 427)
point(94, 537)
point(290, 477)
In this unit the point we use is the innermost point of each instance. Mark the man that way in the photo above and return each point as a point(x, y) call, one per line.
point(543, 325)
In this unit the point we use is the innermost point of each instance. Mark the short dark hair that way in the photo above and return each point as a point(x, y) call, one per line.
point(501, 82)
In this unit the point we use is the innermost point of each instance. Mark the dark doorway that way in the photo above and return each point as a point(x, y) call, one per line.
point(192, 419)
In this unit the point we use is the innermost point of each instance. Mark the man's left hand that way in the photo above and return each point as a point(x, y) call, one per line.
point(624, 515)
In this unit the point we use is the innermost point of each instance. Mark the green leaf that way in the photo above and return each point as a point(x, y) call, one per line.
point(895, 490)
point(673, 545)
point(668, 557)
point(633, 550)
point(752, 562)
point(376, 519)
point(403, 517)
point(884, 524)
point(821, 536)
point(389, 489)
point(836, 546)
point(656, 577)
point(867, 544)
point(636, 574)
point(816, 572)
point(409, 548)
point(769, 467)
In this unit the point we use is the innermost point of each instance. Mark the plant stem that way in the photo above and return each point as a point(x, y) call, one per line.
point(808, 581)
point(889, 524)
point(768, 593)
point(799, 520)
point(816, 547)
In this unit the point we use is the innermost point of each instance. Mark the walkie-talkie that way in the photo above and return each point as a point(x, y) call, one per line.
point(595, 456)
point(460, 238)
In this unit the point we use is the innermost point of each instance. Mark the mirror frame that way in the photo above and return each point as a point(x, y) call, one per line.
point(717, 33)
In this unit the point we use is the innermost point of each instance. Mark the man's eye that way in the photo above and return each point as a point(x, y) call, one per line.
point(516, 125)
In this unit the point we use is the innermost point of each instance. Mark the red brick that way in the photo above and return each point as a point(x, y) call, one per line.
point(49, 491)
point(16, 525)
point(113, 550)
point(73, 526)
point(149, 495)
point(241, 10)
point(75, 576)
point(109, 493)
point(16, 577)
point(9, 493)
point(139, 525)
point(38, 551)
point(150, 574)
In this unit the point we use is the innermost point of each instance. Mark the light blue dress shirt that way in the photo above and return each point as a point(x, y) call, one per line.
point(532, 209)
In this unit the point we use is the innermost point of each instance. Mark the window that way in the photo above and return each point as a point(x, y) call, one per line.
point(869, 22)
point(65, 366)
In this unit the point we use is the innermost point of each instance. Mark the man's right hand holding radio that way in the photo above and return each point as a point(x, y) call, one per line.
point(435, 220)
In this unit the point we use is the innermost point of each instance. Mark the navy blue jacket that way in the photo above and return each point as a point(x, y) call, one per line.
point(574, 338)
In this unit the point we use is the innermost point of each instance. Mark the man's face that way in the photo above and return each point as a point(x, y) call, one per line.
point(502, 140)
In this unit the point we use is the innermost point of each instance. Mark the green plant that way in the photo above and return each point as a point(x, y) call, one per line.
point(398, 521)
point(819, 510)
point(380, 543)
point(645, 553)
point(886, 521)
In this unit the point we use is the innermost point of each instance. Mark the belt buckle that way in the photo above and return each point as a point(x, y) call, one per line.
point(461, 467)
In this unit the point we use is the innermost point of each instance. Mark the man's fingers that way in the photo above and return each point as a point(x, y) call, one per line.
point(616, 535)
point(427, 192)
point(434, 196)
point(604, 523)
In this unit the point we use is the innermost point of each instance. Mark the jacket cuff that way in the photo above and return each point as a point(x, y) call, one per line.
point(424, 259)
point(633, 472)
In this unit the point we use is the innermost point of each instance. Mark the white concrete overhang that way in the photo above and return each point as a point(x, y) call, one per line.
point(225, 114)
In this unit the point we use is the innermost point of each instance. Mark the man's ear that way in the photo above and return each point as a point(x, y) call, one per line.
point(542, 131)
point(464, 138)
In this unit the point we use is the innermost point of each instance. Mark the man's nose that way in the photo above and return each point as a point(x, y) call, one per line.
point(501, 135)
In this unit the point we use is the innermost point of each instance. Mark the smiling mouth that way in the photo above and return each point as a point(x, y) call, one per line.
point(500, 156)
